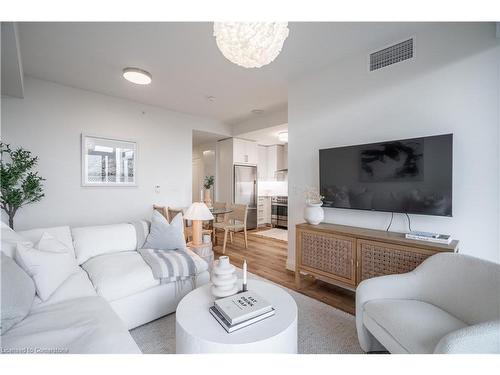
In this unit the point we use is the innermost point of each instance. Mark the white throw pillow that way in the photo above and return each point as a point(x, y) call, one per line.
point(48, 268)
point(61, 233)
point(17, 293)
point(49, 243)
point(10, 239)
point(164, 235)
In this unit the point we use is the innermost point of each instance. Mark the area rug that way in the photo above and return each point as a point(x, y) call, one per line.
point(322, 329)
point(276, 233)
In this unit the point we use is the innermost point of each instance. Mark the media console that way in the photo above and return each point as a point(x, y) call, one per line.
point(345, 256)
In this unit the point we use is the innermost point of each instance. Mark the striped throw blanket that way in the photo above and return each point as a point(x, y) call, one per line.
point(169, 265)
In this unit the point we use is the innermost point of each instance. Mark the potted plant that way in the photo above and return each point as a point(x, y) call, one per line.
point(207, 184)
point(313, 212)
point(19, 185)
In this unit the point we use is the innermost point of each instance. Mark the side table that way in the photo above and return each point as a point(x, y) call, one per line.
point(204, 251)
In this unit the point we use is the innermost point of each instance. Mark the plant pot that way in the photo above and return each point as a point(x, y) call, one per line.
point(313, 213)
point(207, 198)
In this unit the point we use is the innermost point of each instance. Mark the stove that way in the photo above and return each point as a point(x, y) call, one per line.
point(279, 211)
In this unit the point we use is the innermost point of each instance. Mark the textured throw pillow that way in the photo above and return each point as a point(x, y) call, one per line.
point(164, 235)
point(48, 268)
point(10, 239)
point(17, 293)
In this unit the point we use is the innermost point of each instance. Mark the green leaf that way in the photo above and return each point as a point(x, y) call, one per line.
point(19, 185)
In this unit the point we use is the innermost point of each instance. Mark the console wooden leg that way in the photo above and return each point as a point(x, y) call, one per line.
point(297, 279)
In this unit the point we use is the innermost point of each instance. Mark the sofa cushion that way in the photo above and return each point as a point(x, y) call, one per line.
point(408, 326)
point(10, 239)
point(83, 325)
point(119, 275)
point(17, 293)
point(76, 286)
point(62, 234)
point(93, 241)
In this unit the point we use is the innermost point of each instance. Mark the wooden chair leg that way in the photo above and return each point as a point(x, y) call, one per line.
point(225, 241)
point(214, 237)
point(246, 238)
point(231, 236)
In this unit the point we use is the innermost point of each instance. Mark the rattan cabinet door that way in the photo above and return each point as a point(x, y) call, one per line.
point(378, 259)
point(330, 255)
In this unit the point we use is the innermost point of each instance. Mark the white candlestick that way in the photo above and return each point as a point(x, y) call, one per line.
point(244, 272)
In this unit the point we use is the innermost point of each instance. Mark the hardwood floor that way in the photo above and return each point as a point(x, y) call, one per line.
point(266, 257)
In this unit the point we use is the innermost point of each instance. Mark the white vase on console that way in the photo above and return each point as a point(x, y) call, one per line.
point(313, 212)
point(224, 278)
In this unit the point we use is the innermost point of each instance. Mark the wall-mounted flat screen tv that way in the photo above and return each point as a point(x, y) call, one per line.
point(411, 176)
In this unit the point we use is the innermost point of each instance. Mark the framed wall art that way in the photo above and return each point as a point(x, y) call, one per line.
point(108, 161)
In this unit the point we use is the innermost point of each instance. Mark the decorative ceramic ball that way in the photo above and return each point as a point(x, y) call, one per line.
point(224, 278)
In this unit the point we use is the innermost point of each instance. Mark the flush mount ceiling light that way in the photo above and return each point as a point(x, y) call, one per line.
point(250, 44)
point(257, 111)
point(283, 136)
point(137, 76)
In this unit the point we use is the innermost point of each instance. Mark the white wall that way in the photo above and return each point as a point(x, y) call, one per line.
point(49, 122)
point(451, 86)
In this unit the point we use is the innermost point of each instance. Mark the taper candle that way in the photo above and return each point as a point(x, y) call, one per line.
point(245, 275)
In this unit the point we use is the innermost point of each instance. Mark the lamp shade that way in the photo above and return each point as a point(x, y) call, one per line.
point(198, 211)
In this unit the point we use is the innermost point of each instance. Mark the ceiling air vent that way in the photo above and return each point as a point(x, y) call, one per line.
point(391, 55)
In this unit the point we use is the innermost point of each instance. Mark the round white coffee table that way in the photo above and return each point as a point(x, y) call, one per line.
point(197, 331)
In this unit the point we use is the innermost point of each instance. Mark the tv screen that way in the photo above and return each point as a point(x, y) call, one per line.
point(409, 176)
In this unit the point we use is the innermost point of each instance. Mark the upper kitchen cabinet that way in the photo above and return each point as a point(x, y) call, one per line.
point(271, 159)
point(262, 162)
point(245, 151)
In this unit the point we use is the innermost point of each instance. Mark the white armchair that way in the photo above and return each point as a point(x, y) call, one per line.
point(448, 304)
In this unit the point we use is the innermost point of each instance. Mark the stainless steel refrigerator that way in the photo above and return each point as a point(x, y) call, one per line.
point(245, 191)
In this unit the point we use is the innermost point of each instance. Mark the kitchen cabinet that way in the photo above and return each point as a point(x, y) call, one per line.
point(264, 211)
point(262, 162)
point(270, 159)
point(244, 151)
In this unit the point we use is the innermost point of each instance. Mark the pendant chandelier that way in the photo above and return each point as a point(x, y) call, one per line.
point(250, 44)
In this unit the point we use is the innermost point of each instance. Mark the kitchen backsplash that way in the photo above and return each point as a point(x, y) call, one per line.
point(273, 188)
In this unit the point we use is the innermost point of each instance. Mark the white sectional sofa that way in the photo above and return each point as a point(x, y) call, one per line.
point(112, 292)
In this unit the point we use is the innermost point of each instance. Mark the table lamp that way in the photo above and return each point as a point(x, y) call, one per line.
point(197, 213)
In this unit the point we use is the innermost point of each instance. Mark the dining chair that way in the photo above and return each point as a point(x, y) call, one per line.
point(236, 221)
point(162, 210)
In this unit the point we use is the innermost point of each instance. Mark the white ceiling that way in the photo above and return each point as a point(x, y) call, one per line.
point(201, 137)
point(267, 136)
point(186, 64)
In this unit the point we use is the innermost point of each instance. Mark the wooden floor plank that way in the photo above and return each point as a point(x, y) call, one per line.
point(266, 257)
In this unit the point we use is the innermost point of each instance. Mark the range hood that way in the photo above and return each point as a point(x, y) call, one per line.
point(281, 174)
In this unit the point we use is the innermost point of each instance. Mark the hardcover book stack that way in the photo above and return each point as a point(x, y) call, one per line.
point(241, 310)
